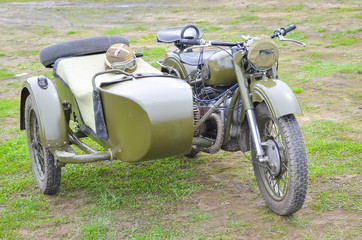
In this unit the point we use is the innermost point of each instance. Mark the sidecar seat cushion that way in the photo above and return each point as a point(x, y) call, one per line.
point(77, 74)
point(79, 47)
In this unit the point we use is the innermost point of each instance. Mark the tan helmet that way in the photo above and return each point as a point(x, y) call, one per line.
point(120, 56)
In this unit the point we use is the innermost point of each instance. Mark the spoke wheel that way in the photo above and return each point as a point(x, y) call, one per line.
point(46, 174)
point(283, 182)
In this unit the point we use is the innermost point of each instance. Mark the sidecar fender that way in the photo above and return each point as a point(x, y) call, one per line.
point(279, 98)
point(49, 110)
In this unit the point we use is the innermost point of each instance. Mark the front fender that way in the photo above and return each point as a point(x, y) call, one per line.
point(279, 98)
point(49, 110)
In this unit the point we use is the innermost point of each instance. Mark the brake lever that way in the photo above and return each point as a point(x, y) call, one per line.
point(282, 38)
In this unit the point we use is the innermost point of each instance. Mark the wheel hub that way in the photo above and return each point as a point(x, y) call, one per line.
point(273, 157)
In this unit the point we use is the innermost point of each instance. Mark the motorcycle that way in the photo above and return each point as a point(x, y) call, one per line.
point(207, 96)
point(239, 104)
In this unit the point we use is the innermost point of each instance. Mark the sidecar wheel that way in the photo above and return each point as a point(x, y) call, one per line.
point(284, 192)
point(46, 174)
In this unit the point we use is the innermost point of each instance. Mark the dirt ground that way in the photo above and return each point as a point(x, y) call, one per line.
point(26, 27)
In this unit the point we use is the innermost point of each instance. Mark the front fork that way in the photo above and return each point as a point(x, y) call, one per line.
point(249, 108)
point(255, 136)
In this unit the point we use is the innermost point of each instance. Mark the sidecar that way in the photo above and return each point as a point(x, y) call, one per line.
point(134, 117)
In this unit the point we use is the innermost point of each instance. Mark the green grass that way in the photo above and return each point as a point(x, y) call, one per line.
point(140, 28)
point(24, 212)
point(201, 23)
point(359, 95)
point(73, 32)
point(247, 17)
point(329, 200)
point(153, 55)
point(331, 45)
point(332, 149)
point(321, 68)
point(238, 224)
point(210, 29)
point(20, 209)
point(299, 221)
point(45, 31)
point(297, 90)
point(110, 187)
point(120, 184)
point(15, 84)
point(4, 73)
point(157, 232)
point(296, 7)
point(297, 35)
point(350, 232)
point(233, 21)
point(358, 15)
point(25, 52)
point(346, 41)
point(198, 215)
point(7, 1)
point(115, 31)
point(355, 30)
point(96, 228)
point(9, 108)
point(151, 37)
point(347, 9)
point(286, 59)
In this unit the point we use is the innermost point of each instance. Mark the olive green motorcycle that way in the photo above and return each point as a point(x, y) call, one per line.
point(239, 104)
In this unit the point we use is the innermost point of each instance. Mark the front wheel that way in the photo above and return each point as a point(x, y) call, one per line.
point(46, 174)
point(283, 182)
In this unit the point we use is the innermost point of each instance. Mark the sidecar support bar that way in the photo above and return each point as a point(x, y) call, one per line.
point(84, 147)
point(67, 157)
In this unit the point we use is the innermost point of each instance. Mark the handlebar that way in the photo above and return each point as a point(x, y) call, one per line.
point(283, 31)
point(202, 42)
point(277, 32)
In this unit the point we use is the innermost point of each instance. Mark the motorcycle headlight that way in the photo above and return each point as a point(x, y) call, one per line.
point(263, 53)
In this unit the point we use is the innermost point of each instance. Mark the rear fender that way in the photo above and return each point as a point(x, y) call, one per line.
point(49, 110)
point(279, 98)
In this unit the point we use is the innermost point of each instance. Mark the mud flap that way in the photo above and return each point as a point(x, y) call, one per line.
point(101, 129)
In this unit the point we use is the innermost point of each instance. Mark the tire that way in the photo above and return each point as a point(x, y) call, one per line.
point(46, 174)
point(192, 154)
point(79, 47)
point(284, 192)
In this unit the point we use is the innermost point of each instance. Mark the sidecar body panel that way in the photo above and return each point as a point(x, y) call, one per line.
point(148, 118)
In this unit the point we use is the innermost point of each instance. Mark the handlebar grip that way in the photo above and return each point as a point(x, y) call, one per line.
point(283, 31)
point(288, 29)
point(190, 41)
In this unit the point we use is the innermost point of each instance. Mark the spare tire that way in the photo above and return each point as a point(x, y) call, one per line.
point(79, 47)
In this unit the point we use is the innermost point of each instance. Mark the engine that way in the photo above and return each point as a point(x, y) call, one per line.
point(214, 128)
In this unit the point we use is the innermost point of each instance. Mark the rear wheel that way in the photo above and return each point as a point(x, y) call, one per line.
point(46, 174)
point(282, 182)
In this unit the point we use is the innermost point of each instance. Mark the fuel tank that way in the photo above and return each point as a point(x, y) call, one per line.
point(219, 69)
point(148, 117)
